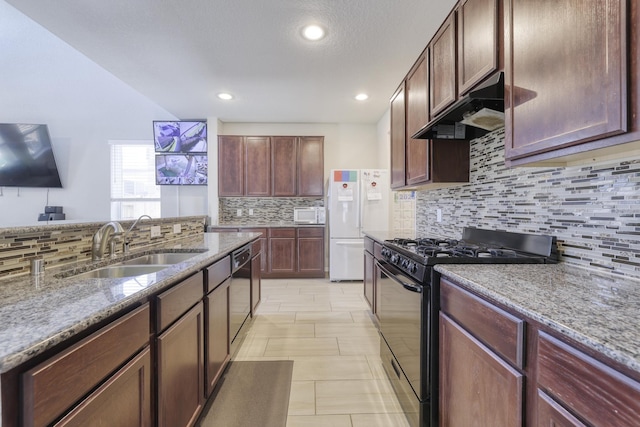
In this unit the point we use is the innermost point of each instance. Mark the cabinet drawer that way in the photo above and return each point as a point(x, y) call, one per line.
point(256, 247)
point(177, 300)
point(218, 272)
point(310, 232)
point(594, 391)
point(52, 387)
point(501, 331)
point(377, 250)
point(282, 232)
point(368, 245)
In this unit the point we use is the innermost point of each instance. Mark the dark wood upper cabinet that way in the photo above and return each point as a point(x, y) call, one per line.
point(565, 74)
point(284, 153)
point(478, 39)
point(442, 61)
point(311, 166)
point(417, 115)
point(398, 139)
point(257, 166)
point(230, 165)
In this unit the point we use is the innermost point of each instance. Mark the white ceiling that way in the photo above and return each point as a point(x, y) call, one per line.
point(181, 53)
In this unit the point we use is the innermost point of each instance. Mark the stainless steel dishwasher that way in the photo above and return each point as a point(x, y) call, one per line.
point(239, 293)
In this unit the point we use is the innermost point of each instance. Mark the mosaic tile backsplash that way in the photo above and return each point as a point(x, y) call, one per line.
point(68, 244)
point(266, 210)
point(592, 209)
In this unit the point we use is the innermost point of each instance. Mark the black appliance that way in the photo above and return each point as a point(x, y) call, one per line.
point(239, 294)
point(409, 303)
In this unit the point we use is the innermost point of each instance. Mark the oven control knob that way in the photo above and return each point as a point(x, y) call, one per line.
point(405, 263)
point(395, 259)
point(413, 267)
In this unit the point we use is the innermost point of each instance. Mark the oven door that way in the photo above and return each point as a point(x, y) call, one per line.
point(403, 313)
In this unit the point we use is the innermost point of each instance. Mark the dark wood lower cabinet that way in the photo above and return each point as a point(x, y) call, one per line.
point(310, 252)
point(123, 401)
point(477, 387)
point(217, 355)
point(256, 285)
point(282, 249)
point(552, 414)
point(369, 271)
point(181, 370)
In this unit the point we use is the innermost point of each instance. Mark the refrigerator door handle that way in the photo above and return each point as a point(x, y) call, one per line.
point(358, 243)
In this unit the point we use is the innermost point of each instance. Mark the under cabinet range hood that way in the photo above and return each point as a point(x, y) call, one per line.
point(477, 113)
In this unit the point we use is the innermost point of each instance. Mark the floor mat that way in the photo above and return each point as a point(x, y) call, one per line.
point(252, 393)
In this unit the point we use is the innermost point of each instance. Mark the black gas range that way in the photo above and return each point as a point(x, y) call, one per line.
point(409, 300)
point(476, 246)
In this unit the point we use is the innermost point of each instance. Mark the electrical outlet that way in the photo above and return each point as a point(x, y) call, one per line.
point(155, 231)
point(177, 228)
point(250, 211)
point(239, 212)
point(438, 215)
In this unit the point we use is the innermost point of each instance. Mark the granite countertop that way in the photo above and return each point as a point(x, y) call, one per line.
point(38, 313)
point(596, 309)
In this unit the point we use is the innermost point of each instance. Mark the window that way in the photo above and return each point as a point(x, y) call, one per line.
point(133, 184)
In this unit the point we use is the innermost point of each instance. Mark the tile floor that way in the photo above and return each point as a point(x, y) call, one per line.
point(324, 327)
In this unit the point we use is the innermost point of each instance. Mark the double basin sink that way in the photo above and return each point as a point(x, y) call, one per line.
point(144, 264)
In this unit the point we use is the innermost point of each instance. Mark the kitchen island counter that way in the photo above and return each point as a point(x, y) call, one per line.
point(37, 313)
point(595, 309)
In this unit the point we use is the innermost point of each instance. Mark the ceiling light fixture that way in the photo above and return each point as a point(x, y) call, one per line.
point(313, 32)
point(362, 96)
point(225, 96)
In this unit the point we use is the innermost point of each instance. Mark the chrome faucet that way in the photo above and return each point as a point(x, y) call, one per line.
point(104, 236)
point(125, 244)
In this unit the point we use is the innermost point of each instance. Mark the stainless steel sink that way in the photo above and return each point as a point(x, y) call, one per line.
point(117, 271)
point(166, 258)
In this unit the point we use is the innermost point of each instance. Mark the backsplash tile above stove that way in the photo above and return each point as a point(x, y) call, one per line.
point(591, 209)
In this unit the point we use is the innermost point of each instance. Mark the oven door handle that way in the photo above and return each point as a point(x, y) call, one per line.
point(407, 286)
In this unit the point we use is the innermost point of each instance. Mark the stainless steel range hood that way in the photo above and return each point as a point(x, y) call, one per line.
point(477, 113)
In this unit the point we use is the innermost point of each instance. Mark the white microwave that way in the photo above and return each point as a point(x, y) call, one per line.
point(312, 215)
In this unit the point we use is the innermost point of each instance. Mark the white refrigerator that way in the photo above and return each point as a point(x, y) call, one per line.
point(357, 200)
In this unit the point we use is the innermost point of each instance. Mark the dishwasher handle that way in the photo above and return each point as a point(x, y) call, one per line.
point(240, 257)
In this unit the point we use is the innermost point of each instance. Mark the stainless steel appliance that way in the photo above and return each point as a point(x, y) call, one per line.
point(309, 215)
point(409, 304)
point(239, 293)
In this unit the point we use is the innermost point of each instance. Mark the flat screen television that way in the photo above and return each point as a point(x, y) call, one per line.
point(185, 136)
point(181, 169)
point(26, 157)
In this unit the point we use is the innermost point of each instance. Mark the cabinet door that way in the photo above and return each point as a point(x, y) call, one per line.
point(369, 271)
point(310, 248)
point(257, 166)
point(180, 352)
point(216, 305)
point(477, 42)
point(124, 400)
point(264, 247)
point(550, 413)
point(311, 166)
point(284, 158)
point(565, 73)
point(230, 166)
point(282, 250)
point(417, 116)
point(477, 388)
point(398, 135)
point(442, 59)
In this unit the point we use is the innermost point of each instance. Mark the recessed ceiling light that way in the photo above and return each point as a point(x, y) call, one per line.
point(313, 32)
point(362, 96)
point(225, 96)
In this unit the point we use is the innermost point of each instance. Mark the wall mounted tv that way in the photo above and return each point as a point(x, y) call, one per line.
point(181, 169)
point(185, 136)
point(26, 157)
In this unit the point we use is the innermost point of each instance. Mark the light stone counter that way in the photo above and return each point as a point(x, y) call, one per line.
point(596, 309)
point(38, 314)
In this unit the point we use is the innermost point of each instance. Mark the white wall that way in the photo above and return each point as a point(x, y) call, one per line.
point(44, 80)
point(384, 140)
